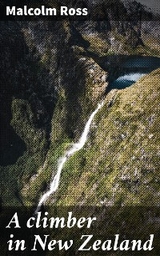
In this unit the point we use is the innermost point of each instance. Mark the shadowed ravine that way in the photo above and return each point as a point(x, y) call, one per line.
point(123, 81)
point(75, 147)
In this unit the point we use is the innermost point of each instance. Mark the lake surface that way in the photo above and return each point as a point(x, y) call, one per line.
point(142, 65)
point(142, 62)
point(126, 80)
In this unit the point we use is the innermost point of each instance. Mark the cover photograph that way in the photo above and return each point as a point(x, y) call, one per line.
point(79, 127)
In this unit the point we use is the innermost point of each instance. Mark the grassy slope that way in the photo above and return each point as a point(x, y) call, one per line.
point(119, 164)
point(102, 47)
point(20, 174)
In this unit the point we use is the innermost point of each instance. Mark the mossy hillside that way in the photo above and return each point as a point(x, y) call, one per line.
point(81, 88)
point(24, 125)
point(16, 175)
point(67, 126)
point(119, 164)
point(31, 88)
point(13, 177)
point(30, 110)
point(151, 43)
point(117, 43)
point(98, 44)
point(57, 67)
point(41, 180)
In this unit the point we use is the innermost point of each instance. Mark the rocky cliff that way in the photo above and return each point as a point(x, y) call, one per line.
point(52, 76)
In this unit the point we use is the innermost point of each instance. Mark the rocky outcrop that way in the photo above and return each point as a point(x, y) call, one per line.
point(119, 163)
point(52, 76)
point(96, 79)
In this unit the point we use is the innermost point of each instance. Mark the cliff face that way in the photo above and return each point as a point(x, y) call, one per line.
point(119, 164)
point(52, 76)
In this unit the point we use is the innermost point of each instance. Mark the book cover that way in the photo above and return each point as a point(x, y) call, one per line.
point(79, 135)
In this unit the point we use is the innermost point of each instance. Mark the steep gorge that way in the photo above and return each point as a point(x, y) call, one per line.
point(52, 84)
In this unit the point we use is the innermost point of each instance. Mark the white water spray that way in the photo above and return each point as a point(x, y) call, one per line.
point(75, 147)
point(131, 77)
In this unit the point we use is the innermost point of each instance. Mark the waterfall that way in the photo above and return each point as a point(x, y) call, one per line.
point(75, 147)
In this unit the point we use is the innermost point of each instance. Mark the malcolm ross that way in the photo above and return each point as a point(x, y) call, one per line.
point(45, 11)
point(87, 241)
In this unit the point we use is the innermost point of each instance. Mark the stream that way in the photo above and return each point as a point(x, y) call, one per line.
point(144, 65)
point(75, 147)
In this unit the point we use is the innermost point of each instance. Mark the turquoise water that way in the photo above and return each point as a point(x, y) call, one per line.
point(127, 80)
point(142, 65)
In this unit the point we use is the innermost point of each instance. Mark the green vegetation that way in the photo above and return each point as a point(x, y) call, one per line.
point(16, 175)
point(56, 86)
point(121, 45)
point(119, 164)
point(98, 44)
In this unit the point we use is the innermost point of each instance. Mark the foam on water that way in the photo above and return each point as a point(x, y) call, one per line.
point(75, 147)
point(126, 80)
point(130, 77)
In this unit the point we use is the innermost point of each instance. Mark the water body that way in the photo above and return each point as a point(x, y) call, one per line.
point(142, 62)
point(126, 80)
point(140, 65)
point(61, 162)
